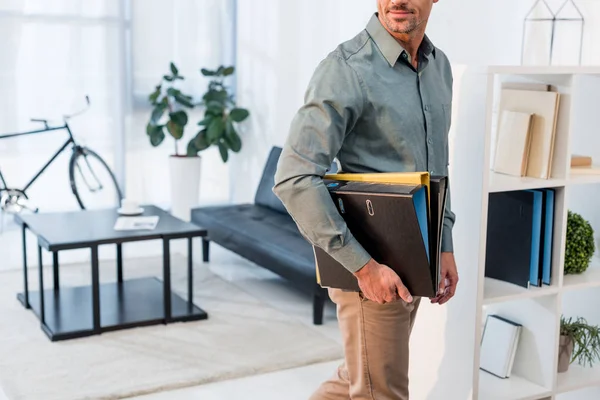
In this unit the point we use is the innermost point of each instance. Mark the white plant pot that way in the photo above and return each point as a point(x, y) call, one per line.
point(185, 185)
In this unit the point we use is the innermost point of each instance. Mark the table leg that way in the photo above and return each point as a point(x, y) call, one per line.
point(120, 263)
point(95, 290)
point(55, 269)
point(25, 277)
point(167, 279)
point(190, 273)
point(41, 272)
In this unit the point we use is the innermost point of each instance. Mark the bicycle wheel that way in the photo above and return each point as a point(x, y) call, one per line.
point(92, 181)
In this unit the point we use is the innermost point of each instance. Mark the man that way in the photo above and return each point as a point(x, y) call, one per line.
point(380, 102)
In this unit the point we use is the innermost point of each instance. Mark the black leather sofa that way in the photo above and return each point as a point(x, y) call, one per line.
point(264, 233)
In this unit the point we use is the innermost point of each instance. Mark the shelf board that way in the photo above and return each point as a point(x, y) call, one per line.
point(578, 377)
point(514, 388)
point(588, 279)
point(505, 183)
point(583, 179)
point(496, 291)
point(544, 70)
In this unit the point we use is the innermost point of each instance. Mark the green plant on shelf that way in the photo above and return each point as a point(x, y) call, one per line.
point(580, 246)
point(585, 340)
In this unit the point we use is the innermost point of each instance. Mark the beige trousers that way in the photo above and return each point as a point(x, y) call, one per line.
point(376, 339)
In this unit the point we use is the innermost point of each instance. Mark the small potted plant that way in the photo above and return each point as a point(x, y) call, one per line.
point(580, 246)
point(218, 127)
point(169, 116)
point(579, 341)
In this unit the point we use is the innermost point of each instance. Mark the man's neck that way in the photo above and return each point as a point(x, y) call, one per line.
point(409, 41)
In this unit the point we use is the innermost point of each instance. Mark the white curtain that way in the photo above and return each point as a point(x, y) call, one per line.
point(53, 53)
point(193, 34)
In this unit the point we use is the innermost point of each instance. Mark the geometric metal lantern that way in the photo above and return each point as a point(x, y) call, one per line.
point(538, 27)
point(568, 29)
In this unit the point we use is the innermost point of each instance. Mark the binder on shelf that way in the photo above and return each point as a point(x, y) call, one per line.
point(519, 237)
point(499, 345)
point(397, 219)
point(548, 227)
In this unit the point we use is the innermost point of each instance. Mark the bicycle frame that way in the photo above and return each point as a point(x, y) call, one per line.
point(70, 140)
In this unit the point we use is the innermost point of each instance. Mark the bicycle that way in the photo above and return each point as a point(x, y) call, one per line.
point(14, 200)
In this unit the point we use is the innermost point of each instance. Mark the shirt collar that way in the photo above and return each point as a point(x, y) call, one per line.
point(389, 46)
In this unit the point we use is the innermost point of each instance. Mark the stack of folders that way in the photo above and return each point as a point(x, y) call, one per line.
point(397, 218)
point(519, 237)
point(499, 345)
point(526, 133)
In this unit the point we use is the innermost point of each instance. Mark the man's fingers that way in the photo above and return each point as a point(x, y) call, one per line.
point(403, 292)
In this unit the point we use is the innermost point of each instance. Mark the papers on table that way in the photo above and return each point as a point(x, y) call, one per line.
point(136, 223)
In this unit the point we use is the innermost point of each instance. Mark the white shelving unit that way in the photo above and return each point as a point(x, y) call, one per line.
point(539, 310)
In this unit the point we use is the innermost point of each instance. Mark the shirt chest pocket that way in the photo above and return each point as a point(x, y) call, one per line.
point(438, 127)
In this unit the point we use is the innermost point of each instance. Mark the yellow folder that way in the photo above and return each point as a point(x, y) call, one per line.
point(402, 178)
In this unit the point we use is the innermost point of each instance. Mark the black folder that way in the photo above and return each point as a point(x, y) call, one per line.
point(398, 225)
point(510, 237)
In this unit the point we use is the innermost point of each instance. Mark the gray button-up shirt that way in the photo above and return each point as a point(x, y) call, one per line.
point(367, 106)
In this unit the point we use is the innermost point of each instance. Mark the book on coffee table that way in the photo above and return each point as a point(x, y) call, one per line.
point(136, 223)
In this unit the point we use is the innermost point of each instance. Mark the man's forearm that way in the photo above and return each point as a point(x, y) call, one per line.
point(309, 203)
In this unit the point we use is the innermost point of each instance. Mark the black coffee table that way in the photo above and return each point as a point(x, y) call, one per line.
point(73, 312)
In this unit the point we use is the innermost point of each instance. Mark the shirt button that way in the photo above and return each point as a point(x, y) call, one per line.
point(429, 141)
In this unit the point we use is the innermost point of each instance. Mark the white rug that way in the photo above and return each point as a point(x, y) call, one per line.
point(243, 336)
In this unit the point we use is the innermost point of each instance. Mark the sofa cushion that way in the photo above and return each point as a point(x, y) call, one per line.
point(266, 237)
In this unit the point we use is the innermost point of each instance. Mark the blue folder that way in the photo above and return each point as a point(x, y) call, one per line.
point(536, 237)
point(548, 233)
point(420, 203)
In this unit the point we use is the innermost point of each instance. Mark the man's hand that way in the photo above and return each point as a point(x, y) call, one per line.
point(449, 279)
point(381, 284)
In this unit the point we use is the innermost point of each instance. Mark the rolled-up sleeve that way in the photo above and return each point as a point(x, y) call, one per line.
point(333, 103)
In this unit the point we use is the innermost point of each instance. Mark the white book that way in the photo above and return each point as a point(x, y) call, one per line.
point(499, 345)
point(513, 143)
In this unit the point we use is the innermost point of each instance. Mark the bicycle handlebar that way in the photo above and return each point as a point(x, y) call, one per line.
point(87, 102)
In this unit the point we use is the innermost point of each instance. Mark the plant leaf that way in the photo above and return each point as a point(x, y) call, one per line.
point(215, 131)
point(184, 100)
point(200, 141)
point(168, 78)
point(154, 96)
point(228, 71)
point(156, 134)
point(157, 113)
point(191, 149)
point(220, 70)
point(239, 114)
point(207, 72)
point(175, 130)
point(232, 138)
point(173, 91)
point(207, 120)
point(215, 95)
point(174, 70)
point(179, 117)
point(224, 151)
point(215, 108)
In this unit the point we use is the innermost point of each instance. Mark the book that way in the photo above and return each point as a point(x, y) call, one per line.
point(544, 106)
point(499, 345)
point(513, 143)
point(398, 224)
point(578, 160)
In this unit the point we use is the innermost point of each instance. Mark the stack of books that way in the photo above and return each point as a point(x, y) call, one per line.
point(397, 218)
point(519, 237)
point(526, 131)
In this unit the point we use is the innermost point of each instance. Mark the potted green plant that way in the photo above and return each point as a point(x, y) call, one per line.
point(221, 115)
point(580, 246)
point(169, 117)
point(579, 341)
